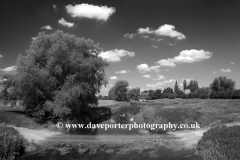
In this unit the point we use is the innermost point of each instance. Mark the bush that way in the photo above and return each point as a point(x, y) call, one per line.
point(11, 143)
point(172, 96)
point(222, 143)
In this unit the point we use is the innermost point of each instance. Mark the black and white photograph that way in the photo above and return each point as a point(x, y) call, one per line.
point(120, 80)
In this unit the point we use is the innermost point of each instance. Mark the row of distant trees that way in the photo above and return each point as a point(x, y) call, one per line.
point(220, 88)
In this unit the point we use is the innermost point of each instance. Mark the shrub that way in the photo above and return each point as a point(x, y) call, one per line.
point(11, 143)
point(220, 143)
point(172, 96)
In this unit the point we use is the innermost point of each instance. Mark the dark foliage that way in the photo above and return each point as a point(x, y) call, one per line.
point(11, 143)
point(222, 143)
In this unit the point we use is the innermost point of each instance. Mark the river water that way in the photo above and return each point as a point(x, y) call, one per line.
point(125, 115)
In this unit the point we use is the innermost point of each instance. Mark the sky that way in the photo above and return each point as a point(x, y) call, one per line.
point(149, 43)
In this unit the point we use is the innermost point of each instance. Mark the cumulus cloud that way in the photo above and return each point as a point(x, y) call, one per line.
point(169, 30)
point(113, 77)
point(154, 46)
point(186, 56)
point(225, 70)
point(145, 68)
point(164, 30)
point(115, 55)
point(166, 62)
point(90, 11)
point(63, 22)
point(33, 38)
point(160, 77)
point(123, 71)
point(232, 63)
point(214, 72)
point(9, 70)
point(147, 76)
point(47, 27)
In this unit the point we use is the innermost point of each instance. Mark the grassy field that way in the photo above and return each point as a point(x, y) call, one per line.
point(206, 112)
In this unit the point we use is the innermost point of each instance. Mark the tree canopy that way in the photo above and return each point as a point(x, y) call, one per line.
point(61, 74)
point(119, 91)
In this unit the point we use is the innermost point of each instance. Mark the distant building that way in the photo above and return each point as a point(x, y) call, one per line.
point(143, 96)
point(187, 91)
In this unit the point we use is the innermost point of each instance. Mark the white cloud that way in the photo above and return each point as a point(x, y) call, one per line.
point(146, 76)
point(47, 27)
point(9, 70)
point(113, 77)
point(63, 22)
point(193, 55)
point(115, 55)
point(166, 62)
point(160, 77)
point(186, 56)
point(164, 30)
point(33, 38)
point(214, 72)
point(154, 46)
point(225, 70)
point(128, 35)
point(169, 81)
point(145, 68)
point(146, 30)
point(90, 11)
point(232, 63)
point(123, 71)
point(169, 30)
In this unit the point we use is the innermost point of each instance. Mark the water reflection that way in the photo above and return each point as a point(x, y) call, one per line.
point(126, 115)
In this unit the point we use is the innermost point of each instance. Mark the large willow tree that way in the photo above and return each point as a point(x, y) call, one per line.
point(60, 75)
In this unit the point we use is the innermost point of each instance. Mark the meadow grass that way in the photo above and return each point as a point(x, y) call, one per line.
point(206, 112)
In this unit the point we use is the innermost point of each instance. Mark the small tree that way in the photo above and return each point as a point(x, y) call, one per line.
point(167, 92)
point(184, 85)
point(176, 89)
point(133, 94)
point(119, 91)
point(158, 93)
